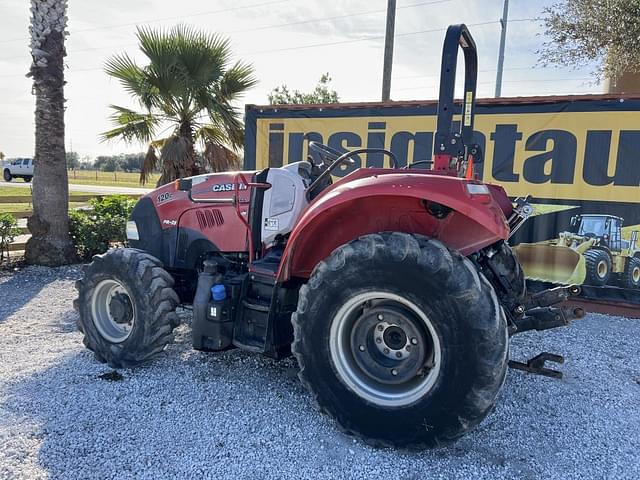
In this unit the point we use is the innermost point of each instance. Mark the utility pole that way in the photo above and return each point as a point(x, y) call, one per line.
point(503, 38)
point(388, 50)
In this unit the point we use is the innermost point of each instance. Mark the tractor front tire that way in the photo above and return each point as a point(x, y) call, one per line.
point(598, 267)
point(630, 278)
point(401, 340)
point(126, 307)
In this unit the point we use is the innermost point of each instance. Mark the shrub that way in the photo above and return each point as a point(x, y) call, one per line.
point(94, 230)
point(8, 232)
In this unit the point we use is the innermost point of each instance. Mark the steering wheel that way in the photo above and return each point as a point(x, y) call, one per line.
point(327, 154)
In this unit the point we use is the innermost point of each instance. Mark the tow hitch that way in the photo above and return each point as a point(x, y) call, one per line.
point(538, 314)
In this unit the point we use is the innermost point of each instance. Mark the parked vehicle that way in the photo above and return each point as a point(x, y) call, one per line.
point(19, 168)
point(394, 287)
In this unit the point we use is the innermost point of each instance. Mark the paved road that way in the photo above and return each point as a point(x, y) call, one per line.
point(85, 188)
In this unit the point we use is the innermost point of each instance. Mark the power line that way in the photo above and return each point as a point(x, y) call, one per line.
point(130, 24)
point(264, 27)
point(322, 44)
point(510, 81)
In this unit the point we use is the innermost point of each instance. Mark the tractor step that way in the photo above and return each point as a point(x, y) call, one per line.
point(536, 365)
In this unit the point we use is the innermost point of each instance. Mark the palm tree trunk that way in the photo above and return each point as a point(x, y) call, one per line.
point(50, 243)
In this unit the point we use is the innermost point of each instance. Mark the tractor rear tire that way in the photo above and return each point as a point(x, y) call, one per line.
point(392, 295)
point(630, 278)
point(598, 267)
point(126, 307)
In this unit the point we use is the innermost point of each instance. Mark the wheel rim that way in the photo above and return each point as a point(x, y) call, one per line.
point(635, 274)
point(113, 311)
point(385, 349)
point(602, 268)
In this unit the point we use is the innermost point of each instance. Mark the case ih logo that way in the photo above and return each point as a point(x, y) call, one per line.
point(227, 187)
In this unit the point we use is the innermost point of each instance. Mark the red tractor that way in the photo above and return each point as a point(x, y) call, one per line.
point(394, 288)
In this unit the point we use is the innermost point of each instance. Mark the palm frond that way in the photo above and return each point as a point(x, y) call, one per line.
point(211, 134)
point(236, 81)
point(133, 78)
point(220, 158)
point(131, 126)
point(227, 118)
point(150, 164)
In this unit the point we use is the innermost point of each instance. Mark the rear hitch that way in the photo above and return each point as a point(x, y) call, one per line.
point(550, 297)
point(536, 365)
point(536, 313)
point(544, 318)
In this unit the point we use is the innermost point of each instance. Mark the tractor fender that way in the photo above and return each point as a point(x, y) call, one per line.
point(436, 206)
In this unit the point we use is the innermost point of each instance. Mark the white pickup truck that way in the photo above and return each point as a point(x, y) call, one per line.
point(19, 168)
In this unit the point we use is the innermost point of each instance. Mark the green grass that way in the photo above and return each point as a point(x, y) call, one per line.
point(111, 179)
point(25, 207)
point(13, 192)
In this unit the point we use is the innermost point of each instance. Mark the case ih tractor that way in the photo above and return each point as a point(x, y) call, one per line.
point(594, 253)
point(394, 288)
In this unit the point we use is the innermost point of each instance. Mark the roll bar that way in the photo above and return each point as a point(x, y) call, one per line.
point(448, 145)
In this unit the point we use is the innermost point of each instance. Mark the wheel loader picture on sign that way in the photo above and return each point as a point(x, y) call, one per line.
point(593, 253)
point(394, 288)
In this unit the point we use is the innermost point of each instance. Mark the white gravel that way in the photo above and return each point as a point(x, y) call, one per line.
point(238, 415)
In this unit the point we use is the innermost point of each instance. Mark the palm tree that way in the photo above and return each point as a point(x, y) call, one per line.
point(187, 89)
point(50, 243)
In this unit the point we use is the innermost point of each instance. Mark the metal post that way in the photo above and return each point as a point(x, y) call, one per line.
point(503, 37)
point(388, 50)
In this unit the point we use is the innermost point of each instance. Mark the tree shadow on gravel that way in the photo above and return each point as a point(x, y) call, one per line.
point(19, 288)
point(238, 415)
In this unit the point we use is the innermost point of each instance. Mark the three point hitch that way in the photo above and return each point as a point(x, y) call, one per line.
point(536, 313)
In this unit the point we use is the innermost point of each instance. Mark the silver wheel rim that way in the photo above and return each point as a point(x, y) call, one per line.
point(111, 326)
point(603, 269)
point(349, 366)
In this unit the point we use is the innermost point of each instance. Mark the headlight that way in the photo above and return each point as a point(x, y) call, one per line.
point(132, 231)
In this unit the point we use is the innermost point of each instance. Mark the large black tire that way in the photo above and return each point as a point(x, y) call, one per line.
point(504, 271)
point(630, 278)
point(598, 267)
point(457, 302)
point(136, 326)
point(7, 175)
point(27, 178)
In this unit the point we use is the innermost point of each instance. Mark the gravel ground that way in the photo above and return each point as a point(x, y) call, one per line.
point(237, 415)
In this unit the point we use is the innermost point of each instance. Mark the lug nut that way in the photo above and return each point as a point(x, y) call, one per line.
point(386, 350)
point(381, 327)
point(380, 317)
point(407, 348)
point(378, 340)
point(398, 354)
point(361, 347)
point(394, 372)
point(414, 341)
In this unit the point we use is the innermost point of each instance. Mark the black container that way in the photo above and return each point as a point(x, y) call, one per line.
point(210, 332)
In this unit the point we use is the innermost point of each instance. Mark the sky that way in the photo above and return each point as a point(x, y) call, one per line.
point(288, 41)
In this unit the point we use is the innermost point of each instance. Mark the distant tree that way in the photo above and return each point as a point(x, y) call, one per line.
point(50, 243)
point(108, 163)
point(1, 156)
point(86, 163)
point(132, 162)
point(321, 94)
point(189, 85)
point(73, 160)
point(605, 32)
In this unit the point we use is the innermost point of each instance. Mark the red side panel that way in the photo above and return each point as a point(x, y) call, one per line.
point(218, 223)
point(392, 202)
